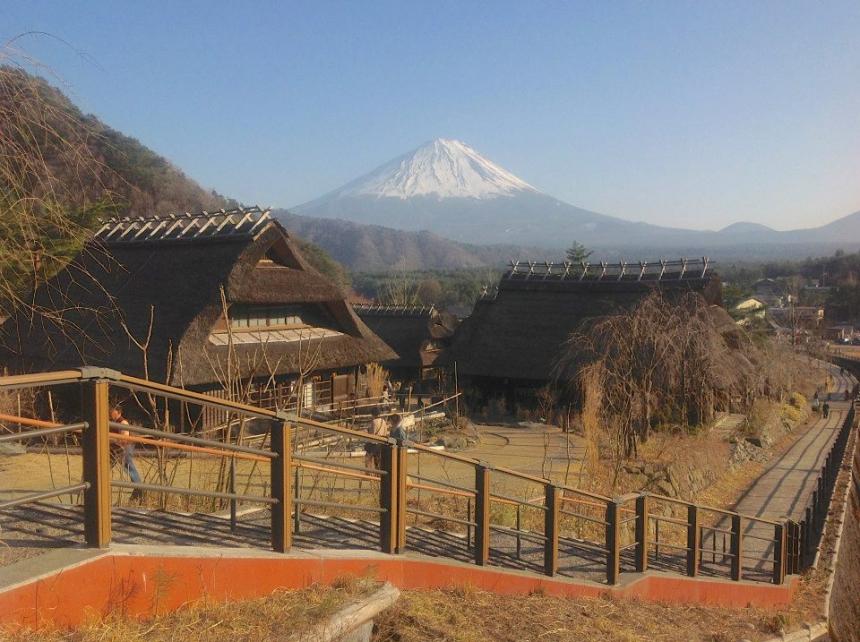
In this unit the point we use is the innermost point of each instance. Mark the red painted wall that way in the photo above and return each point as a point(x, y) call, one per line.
point(142, 586)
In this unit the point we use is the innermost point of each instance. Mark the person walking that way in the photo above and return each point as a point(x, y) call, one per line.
point(825, 410)
point(397, 431)
point(373, 450)
point(124, 455)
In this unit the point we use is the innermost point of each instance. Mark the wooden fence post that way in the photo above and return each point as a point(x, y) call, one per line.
point(779, 553)
point(482, 515)
point(737, 547)
point(550, 529)
point(95, 448)
point(388, 485)
point(613, 542)
point(795, 548)
point(642, 533)
point(402, 478)
point(282, 536)
point(693, 540)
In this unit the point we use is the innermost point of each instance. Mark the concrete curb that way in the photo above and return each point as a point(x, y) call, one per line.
point(353, 623)
point(809, 633)
point(849, 455)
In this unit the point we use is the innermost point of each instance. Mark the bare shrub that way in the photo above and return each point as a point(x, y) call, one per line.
point(662, 363)
point(375, 378)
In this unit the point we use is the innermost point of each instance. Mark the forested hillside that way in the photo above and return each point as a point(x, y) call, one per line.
point(120, 174)
point(373, 248)
point(61, 170)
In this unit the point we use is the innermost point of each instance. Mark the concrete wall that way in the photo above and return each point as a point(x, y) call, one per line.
point(845, 598)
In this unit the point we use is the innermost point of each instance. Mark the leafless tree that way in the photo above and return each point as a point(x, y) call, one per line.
point(661, 363)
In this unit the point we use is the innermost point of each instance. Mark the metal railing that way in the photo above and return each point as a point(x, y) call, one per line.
point(504, 515)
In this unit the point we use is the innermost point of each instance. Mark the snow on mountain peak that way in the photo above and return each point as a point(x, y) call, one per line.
point(442, 168)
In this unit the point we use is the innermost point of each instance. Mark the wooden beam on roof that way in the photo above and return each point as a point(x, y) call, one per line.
point(241, 222)
point(209, 221)
point(143, 228)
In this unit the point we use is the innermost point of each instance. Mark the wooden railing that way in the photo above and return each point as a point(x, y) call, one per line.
point(505, 515)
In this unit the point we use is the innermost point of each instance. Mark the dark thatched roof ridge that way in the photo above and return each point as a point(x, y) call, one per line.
point(408, 330)
point(180, 283)
point(518, 333)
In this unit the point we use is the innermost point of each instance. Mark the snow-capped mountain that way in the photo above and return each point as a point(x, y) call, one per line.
point(448, 188)
point(442, 168)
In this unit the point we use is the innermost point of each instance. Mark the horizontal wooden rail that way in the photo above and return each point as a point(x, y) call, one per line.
point(28, 421)
point(197, 441)
point(48, 494)
point(15, 382)
point(357, 507)
point(336, 471)
point(711, 509)
point(44, 432)
point(181, 394)
point(440, 490)
point(521, 533)
point(513, 501)
point(172, 445)
point(588, 518)
point(178, 490)
point(446, 518)
point(446, 484)
point(337, 464)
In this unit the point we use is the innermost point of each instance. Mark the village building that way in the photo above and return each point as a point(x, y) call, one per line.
point(769, 291)
point(510, 345)
point(420, 335)
point(749, 310)
point(841, 332)
point(202, 301)
point(805, 318)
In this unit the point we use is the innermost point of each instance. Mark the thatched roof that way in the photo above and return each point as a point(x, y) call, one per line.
point(518, 332)
point(142, 269)
point(418, 335)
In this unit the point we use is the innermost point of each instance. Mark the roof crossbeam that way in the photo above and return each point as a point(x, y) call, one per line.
point(235, 223)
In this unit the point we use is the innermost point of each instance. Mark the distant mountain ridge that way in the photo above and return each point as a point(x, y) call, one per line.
point(373, 248)
point(418, 211)
point(447, 188)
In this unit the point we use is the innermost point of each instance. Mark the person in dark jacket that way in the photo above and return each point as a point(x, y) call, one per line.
point(397, 431)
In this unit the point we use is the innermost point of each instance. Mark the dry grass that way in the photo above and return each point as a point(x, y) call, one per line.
point(275, 617)
point(473, 616)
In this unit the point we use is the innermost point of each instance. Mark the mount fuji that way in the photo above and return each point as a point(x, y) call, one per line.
point(448, 189)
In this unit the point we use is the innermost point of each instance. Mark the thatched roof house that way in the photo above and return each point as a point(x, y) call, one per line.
point(419, 335)
point(157, 282)
point(515, 334)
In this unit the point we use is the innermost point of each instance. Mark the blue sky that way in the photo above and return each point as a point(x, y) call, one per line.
point(694, 114)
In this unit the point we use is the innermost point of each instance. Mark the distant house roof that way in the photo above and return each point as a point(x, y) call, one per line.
point(767, 286)
point(750, 305)
point(797, 314)
point(419, 335)
point(169, 271)
point(518, 332)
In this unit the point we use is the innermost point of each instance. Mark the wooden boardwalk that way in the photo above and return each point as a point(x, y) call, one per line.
point(783, 491)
